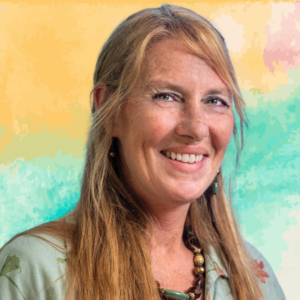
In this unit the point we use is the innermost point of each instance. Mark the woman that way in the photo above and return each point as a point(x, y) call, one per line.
point(152, 198)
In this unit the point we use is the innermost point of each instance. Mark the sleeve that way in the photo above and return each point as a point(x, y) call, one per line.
point(266, 277)
point(31, 268)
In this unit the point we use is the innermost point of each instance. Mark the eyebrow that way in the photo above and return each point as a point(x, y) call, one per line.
point(220, 91)
point(166, 84)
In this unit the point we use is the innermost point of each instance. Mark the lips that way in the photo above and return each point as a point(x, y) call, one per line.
point(183, 157)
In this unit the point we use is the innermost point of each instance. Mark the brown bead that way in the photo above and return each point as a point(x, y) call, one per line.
point(197, 291)
point(200, 281)
point(197, 295)
point(198, 260)
point(199, 270)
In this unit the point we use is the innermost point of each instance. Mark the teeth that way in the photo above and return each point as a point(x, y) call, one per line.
point(192, 159)
point(199, 158)
point(186, 158)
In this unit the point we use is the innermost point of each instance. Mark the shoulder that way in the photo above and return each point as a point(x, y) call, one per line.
point(32, 268)
point(266, 277)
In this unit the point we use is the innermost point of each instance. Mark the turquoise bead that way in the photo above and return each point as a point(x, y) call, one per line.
point(215, 187)
point(175, 295)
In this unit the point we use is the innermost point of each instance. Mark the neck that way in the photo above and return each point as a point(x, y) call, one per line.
point(172, 261)
point(166, 229)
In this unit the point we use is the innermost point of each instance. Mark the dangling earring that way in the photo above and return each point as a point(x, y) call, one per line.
point(113, 149)
point(215, 185)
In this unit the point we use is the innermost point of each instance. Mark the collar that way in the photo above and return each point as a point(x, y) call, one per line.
point(214, 264)
point(214, 268)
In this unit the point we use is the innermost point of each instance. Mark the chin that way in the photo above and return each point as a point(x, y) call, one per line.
point(187, 195)
point(192, 190)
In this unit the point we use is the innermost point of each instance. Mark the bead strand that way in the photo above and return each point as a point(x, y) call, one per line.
point(195, 291)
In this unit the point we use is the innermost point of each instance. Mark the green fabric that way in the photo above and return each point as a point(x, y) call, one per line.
point(31, 268)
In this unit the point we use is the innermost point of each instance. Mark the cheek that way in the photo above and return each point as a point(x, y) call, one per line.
point(154, 126)
point(221, 132)
point(141, 130)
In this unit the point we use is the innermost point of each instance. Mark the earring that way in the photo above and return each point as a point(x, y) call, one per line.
point(215, 186)
point(112, 154)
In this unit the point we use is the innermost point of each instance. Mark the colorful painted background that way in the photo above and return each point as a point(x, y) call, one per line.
point(48, 50)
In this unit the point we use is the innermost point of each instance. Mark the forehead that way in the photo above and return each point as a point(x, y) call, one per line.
point(170, 60)
point(165, 54)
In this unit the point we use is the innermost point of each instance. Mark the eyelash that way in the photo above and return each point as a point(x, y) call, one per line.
point(158, 95)
point(223, 102)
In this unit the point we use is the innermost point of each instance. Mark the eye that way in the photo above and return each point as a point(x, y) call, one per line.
point(164, 97)
point(216, 101)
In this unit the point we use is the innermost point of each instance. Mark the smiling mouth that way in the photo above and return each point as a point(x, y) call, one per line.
point(185, 158)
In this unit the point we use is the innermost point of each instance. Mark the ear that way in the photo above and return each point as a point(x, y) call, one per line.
point(99, 95)
point(100, 92)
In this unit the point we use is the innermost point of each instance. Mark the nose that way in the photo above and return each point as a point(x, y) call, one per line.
point(193, 123)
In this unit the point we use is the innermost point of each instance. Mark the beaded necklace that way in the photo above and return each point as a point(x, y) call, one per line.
point(195, 291)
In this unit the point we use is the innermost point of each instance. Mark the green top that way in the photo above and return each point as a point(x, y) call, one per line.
point(31, 268)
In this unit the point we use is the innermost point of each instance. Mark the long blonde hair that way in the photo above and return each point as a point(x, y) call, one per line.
point(109, 258)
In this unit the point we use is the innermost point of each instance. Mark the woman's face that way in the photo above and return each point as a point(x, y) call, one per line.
point(180, 108)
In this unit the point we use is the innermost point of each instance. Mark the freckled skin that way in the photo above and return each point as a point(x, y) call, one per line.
point(146, 126)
